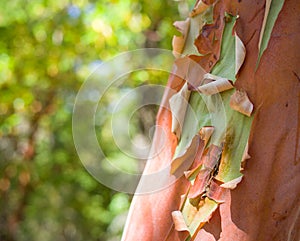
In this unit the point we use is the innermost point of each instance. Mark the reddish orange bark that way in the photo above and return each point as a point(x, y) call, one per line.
point(150, 215)
point(266, 204)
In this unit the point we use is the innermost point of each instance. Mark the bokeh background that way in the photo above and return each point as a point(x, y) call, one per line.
point(47, 50)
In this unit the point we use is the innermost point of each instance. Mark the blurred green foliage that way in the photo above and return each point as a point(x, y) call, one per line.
point(47, 49)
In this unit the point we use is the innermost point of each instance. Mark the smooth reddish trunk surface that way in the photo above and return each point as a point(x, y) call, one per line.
point(150, 215)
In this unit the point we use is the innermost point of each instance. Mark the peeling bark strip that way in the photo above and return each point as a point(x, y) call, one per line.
point(240, 102)
point(197, 216)
point(208, 40)
point(233, 183)
point(206, 132)
point(179, 221)
point(273, 176)
point(178, 42)
point(216, 170)
point(240, 53)
point(199, 8)
point(214, 87)
point(272, 9)
point(267, 9)
point(178, 106)
point(185, 160)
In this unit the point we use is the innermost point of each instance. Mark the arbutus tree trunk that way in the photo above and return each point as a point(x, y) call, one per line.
point(243, 181)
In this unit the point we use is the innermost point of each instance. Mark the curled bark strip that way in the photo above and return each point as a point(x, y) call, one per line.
point(214, 87)
point(177, 45)
point(199, 8)
point(240, 102)
point(178, 105)
point(178, 42)
point(233, 183)
point(210, 77)
point(201, 79)
point(206, 132)
point(240, 53)
point(182, 26)
point(184, 161)
point(179, 221)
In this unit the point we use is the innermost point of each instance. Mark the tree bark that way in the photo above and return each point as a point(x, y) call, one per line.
point(266, 204)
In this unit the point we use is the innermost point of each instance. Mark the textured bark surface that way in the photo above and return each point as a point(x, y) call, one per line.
point(266, 204)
